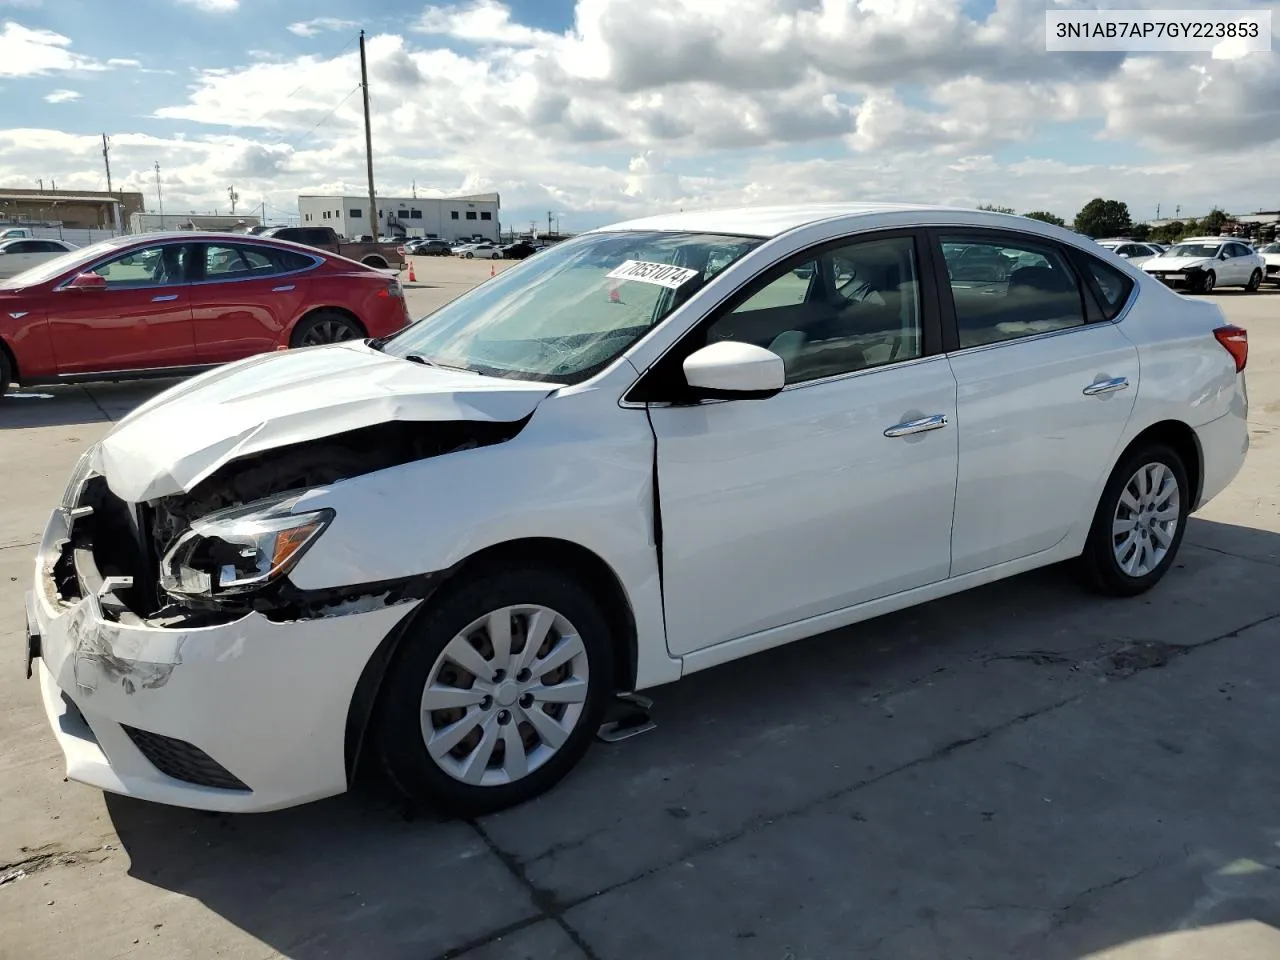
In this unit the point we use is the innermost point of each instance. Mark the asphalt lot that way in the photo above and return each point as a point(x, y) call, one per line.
point(1022, 771)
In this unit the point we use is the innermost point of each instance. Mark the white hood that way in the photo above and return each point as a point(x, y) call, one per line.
point(175, 440)
point(1177, 263)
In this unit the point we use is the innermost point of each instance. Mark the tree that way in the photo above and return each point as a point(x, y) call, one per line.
point(1103, 218)
point(1046, 217)
point(1169, 232)
point(1141, 231)
point(991, 207)
point(1213, 222)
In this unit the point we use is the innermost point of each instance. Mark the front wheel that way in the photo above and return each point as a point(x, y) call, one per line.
point(1207, 283)
point(1255, 281)
point(6, 374)
point(1139, 523)
point(468, 256)
point(496, 692)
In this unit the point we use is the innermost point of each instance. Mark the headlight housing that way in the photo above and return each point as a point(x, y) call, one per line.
point(81, 474)
point(230, 553)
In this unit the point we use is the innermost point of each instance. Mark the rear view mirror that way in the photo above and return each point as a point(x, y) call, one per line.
point(735, 371)
point(87, 281)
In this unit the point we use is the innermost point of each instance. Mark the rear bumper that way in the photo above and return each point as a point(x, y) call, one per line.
point(1224, 443)
point(243, 716)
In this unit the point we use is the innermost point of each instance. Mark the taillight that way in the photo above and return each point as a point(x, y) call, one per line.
point(1235, 340)
point(392, 289)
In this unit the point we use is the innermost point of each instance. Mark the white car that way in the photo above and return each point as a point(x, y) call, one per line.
point(20, 255)
point(651, 449)
point(1270, 254)
point(481, 251)
point(1133, 251)
point(1201, 264)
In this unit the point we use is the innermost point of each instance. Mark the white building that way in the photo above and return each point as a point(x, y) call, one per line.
point(450, 218)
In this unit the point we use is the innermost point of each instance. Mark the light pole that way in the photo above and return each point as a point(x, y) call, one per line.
point(159, 195)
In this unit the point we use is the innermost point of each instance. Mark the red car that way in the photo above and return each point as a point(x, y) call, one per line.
point(174, 303)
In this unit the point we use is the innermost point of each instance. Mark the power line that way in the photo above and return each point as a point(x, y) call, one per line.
point(289, 96)
point(295, 143)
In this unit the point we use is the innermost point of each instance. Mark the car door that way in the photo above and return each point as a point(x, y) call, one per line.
point(139, 320)
point(1242, 262)
point(1045, 388)
point(19, 256)
point(837, 490)
point(245, 296)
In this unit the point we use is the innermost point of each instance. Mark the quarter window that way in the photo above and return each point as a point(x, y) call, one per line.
point(1004, 290)
point(849, 309)
point(226, 263)
point(1112, 287)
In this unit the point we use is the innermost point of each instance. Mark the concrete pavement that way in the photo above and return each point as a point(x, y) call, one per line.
point(1021, 771)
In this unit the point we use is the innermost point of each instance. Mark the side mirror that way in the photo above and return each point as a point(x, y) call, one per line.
point(87, 281)
point(1123, 256)
point(735, 371)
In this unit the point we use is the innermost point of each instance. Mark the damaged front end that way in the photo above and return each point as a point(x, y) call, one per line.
point(225, 548)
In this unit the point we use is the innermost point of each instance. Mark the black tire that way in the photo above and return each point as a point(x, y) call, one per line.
point(399, 741)
point(1255, 281)
point(1207, 283)
point(6, 373)
point(325, 326)
point(1098, 564)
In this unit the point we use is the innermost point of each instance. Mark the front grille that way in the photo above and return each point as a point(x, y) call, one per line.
point(183, 761)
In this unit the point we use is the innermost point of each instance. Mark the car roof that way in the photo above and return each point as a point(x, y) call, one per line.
point(770, 221)
point(1209, 240)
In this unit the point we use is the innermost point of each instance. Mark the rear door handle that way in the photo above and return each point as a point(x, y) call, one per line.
point(1103, 387)
point(922, 425)
point(168, 296)
point(285, 289)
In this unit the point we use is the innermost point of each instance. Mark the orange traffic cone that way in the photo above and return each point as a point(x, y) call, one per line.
point(413, 277)
point(615, 296)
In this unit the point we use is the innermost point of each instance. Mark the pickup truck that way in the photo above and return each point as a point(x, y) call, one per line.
point(16, 233)
point(378, 255)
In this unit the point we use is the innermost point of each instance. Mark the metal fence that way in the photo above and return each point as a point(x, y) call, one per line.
point(80, 236)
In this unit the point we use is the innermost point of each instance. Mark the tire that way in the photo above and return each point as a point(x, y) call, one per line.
point(6, 373)
point(325, 326)
point(468, 255)
point(1207, 283)
point(1101, 563)
point(459, 617)
point(1255, 281)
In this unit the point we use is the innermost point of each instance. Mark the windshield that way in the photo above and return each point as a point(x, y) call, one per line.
point(1271, 248)
point(49, 269)
point(1200, 251)
point(567, 313)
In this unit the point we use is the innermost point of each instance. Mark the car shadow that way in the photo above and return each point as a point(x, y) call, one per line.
point(865, 713)
point(73, 404)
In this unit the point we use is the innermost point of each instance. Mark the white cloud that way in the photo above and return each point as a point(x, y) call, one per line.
point(62, 96)
point(483, 21)
point(123, 62)
point(25, 52)
point(310, 28)
point(212, 6)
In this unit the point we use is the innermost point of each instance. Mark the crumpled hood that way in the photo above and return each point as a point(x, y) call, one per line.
point(178, 438)
point(1177, 263)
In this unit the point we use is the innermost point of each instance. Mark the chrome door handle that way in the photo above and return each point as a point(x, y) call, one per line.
point(924, 424)
point(285, 289)
point(1103, 387)
point(170, 296)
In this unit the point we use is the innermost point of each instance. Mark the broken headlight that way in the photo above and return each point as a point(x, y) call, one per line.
point(239, 550)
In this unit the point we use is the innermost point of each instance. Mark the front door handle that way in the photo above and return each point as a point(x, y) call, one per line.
point(169, 296)
point(1103, 387)
point(922, 425)
point(285, 289)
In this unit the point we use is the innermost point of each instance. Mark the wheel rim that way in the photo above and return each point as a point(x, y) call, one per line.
point(1255, 280)
point(1146, 519)
point(1208, 283)
point(504, 695)
point(328, 331)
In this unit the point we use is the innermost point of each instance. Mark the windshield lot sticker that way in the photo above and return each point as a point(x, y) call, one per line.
point(662, 274)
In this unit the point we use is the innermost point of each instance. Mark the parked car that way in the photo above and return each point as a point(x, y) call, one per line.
point(647, 451)
point(1135, 252)
point(166, 304)
point(481, 251)
point(518, 250)
point(383, 254)
point(1270, 253)
point(19, 255)
point(434, 247)
point(1201, 264)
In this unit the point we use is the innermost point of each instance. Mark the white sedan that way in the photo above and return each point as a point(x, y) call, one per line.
point(651, 449)
point(1131, 250)
point(18, 256)
point(1202, 264)
point(480, 251)
point(1270, 254)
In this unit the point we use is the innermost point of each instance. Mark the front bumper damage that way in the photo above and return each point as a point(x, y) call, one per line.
point(242, 715)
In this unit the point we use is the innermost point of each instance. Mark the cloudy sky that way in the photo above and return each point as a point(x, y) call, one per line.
point(600, 109)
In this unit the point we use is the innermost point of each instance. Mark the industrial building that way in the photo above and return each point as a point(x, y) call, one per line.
point(450, 218)
point(79, 209)
point(152, 222)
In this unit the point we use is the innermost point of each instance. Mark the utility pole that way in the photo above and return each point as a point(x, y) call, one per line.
point(159, 195)
point(106, 159)
point(41, 182)
point(368, 140)
point(53, 186)
point(548, 223)
point(1157, 211)
point(231, 192)
point(415, 189)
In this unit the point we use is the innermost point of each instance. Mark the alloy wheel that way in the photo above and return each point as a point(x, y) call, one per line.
point(504, 695)
point(1146, 519)
point(328, 331)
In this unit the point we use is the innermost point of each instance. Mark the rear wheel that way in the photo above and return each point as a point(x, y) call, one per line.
point(1139, 523)
point(1255, 281)
point(325, 326)
point(496, 692)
